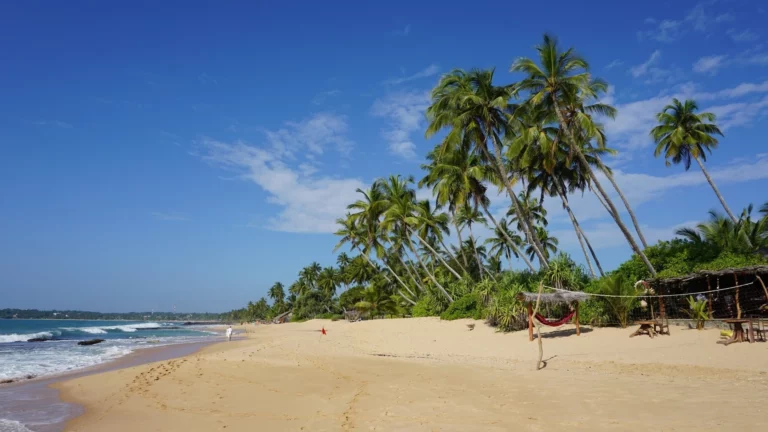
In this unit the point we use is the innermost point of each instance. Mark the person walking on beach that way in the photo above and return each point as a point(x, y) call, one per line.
point(229, 333)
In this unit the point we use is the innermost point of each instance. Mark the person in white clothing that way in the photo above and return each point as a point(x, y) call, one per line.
point(229, 333)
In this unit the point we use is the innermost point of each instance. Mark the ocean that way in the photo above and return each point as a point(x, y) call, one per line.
point(57, 351)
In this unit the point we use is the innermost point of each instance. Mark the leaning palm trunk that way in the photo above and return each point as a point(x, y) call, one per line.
point(409, 290)
point(408, 269)
point(592, 251)
point(530, 235)
point(576, 228)
point(626, 204)
point(509, 240)
point(458, 234)
point(434, 252)
point(453, 257)
point(591, 174)
point(367, 258)
point(717, 191)
point(390, 270)
point(431, 276)
point(474, 248)
point(406, 298)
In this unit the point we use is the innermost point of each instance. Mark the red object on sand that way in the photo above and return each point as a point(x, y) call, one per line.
point(323, 331)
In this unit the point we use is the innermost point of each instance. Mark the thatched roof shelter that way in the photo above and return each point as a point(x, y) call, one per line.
point(749, 272)
point(559, 297)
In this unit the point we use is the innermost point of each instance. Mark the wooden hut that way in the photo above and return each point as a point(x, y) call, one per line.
point(571, 298)
point(730, 293)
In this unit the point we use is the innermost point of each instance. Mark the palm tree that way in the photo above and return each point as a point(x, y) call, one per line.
point(476, 112)
point(277, 293)
point(399, 218)
point(501, 246)
point(720, 234)
point(428, 224)
point(562, 84)
point(531, 209)
point(549, 243)
point(466, 217)
point(684, 135)
point(328, 280)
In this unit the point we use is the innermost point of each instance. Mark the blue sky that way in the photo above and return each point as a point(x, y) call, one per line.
point(153, 155)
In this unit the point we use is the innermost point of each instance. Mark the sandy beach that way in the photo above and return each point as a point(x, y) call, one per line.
point(430, 375)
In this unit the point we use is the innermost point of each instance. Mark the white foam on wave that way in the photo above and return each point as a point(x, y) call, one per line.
point(127, 328)
point(15, 337)
point(12, 426)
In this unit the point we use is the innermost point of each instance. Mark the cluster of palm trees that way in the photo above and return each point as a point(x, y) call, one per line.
point(538, 138)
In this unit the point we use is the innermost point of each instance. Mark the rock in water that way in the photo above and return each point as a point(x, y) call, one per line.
point(37, 340)
point(90, 342)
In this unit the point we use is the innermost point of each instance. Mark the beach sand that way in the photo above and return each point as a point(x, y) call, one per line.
point(424, 374)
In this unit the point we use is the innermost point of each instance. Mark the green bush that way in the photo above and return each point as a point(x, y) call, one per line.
point(423, 308)
point(468, 306)
point(330, 316)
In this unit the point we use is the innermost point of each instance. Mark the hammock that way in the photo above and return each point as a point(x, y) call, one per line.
point(557, 323)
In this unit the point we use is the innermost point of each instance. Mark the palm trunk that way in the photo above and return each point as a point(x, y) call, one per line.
point(448, 251)
point(458, 234)
point(390, 270)
point(431, 276)
point(407, 288)
point(415, 280)
point(434, 252)
point(575, 227)
point(626, 204)
point(591, 174)
point(367, 258)
point(530, 236)
point(506, 236)
point(477, 256)
point(406, 298)
point(592, 252)
point(717, 191)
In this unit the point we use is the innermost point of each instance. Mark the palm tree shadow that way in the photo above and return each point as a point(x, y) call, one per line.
point(545, 362)
point(564, 333)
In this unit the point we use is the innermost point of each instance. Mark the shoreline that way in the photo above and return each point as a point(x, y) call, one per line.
point(27, 398)
point(426, 374)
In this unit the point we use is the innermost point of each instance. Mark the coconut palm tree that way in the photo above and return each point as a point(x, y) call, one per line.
point(277, 293)
point(467, 216)
point(683, 135)
point(476, 113)
point(563, 85)
point(432, 224)
point(328, 280)
point(549, 243)
point(501, 246)
point(721, 234)
point(530, 208)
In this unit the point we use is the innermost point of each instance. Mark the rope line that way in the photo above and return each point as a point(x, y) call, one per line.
point(653, 295)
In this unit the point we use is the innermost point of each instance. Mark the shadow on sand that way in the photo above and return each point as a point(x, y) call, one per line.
point(563, 333)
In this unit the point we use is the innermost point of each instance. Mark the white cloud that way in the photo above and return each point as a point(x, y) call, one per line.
point(738, 114)
point(709, 64)
point(745, 35)
point(169, 216)
point(429, 71)
point(405, 31)
point(726, 17)
point(697, 19)
point(309, 204)
point(314, 135)
point(614, 64)
point(665, 31)
point(643, 68)
point(405, 112)
point(321, 97)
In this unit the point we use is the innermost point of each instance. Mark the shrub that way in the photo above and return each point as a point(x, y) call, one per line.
point(618, 307)
point(468, 306)
point(506, 312)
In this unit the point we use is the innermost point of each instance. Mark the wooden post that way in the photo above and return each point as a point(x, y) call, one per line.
point(662, 313)
point(761, 283)
point(709, 288)
point(530, 322)
point(738, 306)
point(576, 320)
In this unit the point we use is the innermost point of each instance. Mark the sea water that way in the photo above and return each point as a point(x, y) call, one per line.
point(59, 353)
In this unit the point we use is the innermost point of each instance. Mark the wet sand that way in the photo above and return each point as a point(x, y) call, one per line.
point(432, 375)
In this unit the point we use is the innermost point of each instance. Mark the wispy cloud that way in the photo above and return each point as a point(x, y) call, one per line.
point(710, 64)
point(696, 19)
point(169, 216)
point(652, 72)
point(613, 64)
point(745, 35)
point(405, 112)
point(311, 136)
point(404, 31)
point(429, 71)
point(54, 123)
point(204, 78)
point(321, 97)
point(645, 67)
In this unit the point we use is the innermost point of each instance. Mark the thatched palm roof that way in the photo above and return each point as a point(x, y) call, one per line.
point(751, 270)
point(554, 298)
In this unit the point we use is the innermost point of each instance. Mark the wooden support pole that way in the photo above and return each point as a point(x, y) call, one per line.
point(764, 288)
point(576, 320)
point(530, 322)
point(738, 306)
point(662, 312)
point(709, 288)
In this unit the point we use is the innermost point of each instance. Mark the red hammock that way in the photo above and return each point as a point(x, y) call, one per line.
point(557, 323)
